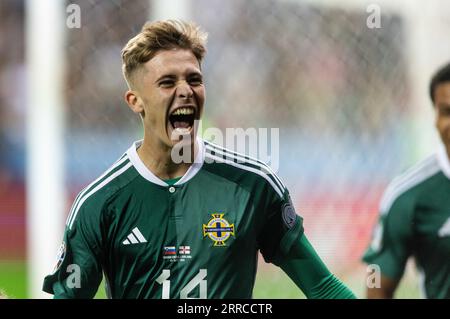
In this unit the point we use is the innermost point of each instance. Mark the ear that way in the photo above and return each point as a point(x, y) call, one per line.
point(134, 101)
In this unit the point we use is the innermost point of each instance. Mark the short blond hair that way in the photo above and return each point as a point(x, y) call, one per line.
point(161, 35)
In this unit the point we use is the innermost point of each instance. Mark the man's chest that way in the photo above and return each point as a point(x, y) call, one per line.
point(183, 240)
point(183, 226)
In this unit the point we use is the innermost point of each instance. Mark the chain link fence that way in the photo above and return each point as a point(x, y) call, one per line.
point(339, 92)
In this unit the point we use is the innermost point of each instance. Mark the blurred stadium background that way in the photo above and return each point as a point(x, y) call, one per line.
point(350, 102)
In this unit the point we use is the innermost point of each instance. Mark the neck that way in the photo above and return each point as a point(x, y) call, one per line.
point(157, 157)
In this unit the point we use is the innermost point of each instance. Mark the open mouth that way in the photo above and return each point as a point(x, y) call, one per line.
point(182, 118)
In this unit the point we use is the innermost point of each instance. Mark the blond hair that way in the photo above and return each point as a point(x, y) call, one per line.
point(161, 35)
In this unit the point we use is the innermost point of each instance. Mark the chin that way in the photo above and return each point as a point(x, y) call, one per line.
point(182, 135)
point(183, 150)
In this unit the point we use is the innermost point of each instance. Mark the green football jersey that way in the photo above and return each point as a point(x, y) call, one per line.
point(415, 221)
point(197, 238)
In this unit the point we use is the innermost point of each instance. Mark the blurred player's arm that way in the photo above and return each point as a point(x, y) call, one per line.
point(391, 245)
point(386, 289)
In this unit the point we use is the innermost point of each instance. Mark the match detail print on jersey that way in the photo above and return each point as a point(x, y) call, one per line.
point(173, 254)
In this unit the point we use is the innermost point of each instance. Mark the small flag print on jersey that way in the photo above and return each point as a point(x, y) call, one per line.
point(184, 250)
point(169, 251)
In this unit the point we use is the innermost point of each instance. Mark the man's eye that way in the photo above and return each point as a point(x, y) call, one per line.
point(195, 81)
point(166, 83)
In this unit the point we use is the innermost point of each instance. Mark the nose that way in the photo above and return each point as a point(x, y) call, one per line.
point(184, 90)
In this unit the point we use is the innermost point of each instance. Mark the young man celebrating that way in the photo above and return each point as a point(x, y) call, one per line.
point(158, 227)
point(415, 214)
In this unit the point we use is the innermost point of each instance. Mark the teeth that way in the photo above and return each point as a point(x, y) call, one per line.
point(184, 111)
point(182, 131)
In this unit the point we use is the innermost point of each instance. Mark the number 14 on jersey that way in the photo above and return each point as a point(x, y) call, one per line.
point(198, 280)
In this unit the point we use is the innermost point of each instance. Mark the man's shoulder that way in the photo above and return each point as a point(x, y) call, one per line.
point(408, 186)
point(94, 196)
point(240, 168)
point(115, 178)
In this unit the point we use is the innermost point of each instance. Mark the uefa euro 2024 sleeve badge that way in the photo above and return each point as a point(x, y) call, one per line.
point(218, 229)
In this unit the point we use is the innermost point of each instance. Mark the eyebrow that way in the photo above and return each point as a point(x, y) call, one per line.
point(173, 76)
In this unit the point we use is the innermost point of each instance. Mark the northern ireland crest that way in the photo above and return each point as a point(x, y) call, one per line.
point(218, 229)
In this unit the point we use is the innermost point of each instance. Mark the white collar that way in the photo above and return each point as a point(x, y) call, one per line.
point(148, 175)
point(443, 160)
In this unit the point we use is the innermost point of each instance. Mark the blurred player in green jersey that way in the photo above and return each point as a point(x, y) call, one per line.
point(415, 214)
point(158, 227)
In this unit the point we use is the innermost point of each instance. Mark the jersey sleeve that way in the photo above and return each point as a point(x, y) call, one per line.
point(281, 225)
point(391, 243)
point(78, 270)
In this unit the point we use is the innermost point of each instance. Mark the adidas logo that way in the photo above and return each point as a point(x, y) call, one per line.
point(135, 237)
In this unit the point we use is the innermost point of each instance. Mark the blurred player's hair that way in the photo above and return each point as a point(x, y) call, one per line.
point(161, 35)
point(441, 76)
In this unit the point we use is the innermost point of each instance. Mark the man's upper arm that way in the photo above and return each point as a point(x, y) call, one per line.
point(281, 225)
point(78, 271)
